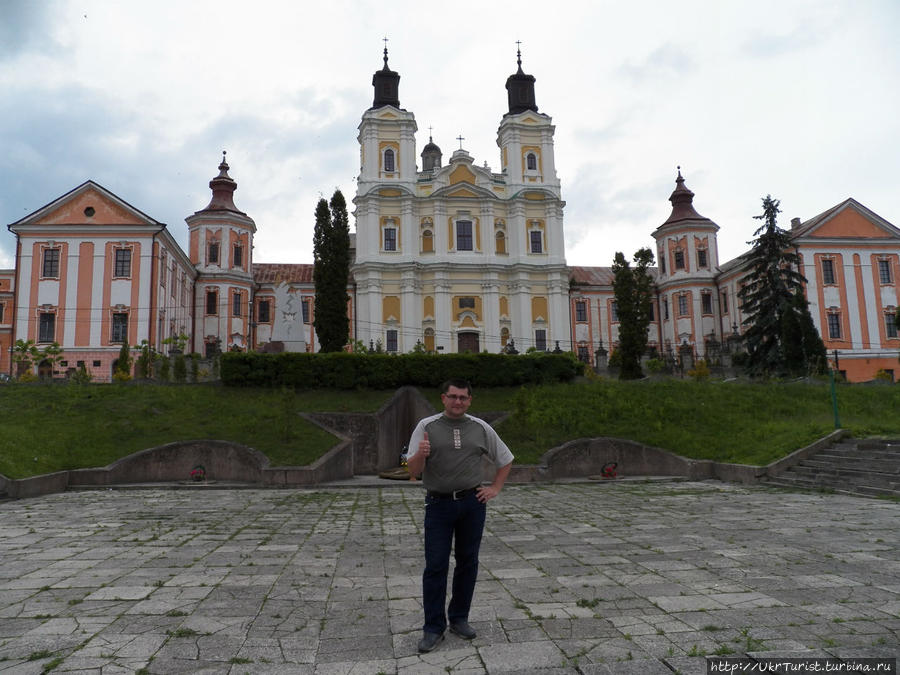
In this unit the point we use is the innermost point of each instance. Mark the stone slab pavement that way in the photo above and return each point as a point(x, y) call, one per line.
point(589, 577)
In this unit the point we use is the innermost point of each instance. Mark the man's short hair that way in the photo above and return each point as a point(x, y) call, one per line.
point(458, 383)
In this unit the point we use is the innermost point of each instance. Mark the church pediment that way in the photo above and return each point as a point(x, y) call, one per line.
point(848, 220)
point(462, 192)
point(88, 204)
point(462, 174)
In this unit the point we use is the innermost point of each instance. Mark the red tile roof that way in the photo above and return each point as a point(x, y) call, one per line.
point(274, 273)
point(592, 276)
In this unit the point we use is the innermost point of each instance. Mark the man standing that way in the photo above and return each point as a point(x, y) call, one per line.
point(449, 448)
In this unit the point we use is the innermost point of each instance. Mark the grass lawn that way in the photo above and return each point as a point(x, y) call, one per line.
point(48, 428)
point(741, 422)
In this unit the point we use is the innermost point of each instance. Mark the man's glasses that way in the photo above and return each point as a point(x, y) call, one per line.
point(454, 397)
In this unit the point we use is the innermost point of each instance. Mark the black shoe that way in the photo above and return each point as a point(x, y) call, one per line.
point(429, 641)
point(463, 629)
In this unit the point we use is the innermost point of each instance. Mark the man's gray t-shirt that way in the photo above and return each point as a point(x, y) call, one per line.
point(457, 448)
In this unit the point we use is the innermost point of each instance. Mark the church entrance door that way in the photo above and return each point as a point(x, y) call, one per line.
point(468, 342)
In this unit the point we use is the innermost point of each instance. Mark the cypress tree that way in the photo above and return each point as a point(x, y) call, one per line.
point(633, 290)
point(331, 272)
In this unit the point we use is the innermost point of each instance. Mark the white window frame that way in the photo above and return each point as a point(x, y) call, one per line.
point(391, 227)
point(471, 234)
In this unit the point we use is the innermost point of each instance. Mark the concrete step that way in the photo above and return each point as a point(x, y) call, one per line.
point(859, 456)
point(865, 467)
point(844, 471)
point(838, 477)
point(858, 490)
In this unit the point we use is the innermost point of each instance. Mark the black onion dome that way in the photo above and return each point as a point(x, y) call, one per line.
point(520, 90)
point(387, 86)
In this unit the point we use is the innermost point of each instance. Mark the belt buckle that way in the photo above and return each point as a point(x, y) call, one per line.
point(455, 495)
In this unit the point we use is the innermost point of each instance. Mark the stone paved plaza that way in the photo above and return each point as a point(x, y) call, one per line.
point(589, 577)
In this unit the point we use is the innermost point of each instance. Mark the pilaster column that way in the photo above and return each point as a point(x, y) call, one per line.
point(560, 325)
point(521, 320)
point(442, 330)
point(490, 303)
point(409, 245)
point(411, 314)
point(515, 231)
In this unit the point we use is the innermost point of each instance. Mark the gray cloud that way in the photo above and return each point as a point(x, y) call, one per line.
point(665, 61)
point(24, 26)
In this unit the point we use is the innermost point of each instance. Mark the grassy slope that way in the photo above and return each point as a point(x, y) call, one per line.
point(48, 428)
point(724, 421)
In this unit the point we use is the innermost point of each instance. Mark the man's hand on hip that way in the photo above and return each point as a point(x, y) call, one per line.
point(486, 493)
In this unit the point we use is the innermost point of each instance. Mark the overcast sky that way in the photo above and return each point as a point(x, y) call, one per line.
point(797, 99)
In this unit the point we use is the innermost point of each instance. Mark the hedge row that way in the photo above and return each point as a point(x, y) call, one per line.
point(342, 370)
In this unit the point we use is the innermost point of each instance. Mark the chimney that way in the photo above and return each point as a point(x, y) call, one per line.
point(795, 223)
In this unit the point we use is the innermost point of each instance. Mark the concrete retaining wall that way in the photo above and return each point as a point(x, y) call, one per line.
point(782, 465)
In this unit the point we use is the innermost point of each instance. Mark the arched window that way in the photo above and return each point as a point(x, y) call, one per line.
point(501, 243)
point(531, 161)
point(389, 160)
point(427, 242)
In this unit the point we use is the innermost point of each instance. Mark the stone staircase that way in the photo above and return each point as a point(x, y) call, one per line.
point(869, 468)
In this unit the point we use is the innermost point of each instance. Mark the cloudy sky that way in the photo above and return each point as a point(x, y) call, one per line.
point(799, 99)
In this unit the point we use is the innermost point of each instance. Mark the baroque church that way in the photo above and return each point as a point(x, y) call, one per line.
point(448, 255)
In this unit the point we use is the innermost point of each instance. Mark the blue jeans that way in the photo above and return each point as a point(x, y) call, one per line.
point(444, 520)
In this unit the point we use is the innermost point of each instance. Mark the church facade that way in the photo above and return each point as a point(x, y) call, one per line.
point(448, 256)
point(456, 256)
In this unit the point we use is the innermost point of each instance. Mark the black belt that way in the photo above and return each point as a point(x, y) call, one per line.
point(455, 495)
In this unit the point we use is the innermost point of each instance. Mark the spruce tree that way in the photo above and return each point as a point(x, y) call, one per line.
point(331, 271)
point(780, 337)
point(633, 290)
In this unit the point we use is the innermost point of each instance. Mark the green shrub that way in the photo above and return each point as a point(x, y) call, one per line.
point(180, 368)
point(700, 371)
point(164, 369)
point(195, 367)
point(345, 370)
